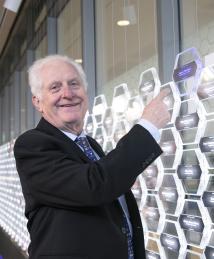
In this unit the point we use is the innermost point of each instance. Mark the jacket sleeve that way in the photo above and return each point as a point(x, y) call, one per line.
point(53, 177)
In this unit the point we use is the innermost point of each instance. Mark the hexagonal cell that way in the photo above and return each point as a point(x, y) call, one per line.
point(136, 190)
point(190, 122)
point(120, 128)
point(99, 108)
point(108, 121)
point(171, 194)
point(194, 222)
point(134, 110)
point(173, 240)
point(187, 68)
point(171, 145)
point(152, 175)
point(152, 214)
point(89, 124)
point(190, 172)
point(149, 85)
point(172, 100)
point(206, 90)
point(207, 144)
point(120, 99)
point(99, 135)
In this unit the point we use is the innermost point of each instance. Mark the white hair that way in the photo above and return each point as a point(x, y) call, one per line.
point(34, 72)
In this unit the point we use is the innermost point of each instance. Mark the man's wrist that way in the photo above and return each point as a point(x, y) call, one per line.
point(153, 130)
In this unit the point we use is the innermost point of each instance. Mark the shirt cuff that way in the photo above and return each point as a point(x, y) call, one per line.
point(151, 128)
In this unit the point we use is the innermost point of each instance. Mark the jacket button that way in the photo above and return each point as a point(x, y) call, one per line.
point(123, 230)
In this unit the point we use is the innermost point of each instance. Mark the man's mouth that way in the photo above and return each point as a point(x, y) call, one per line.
point(69, 104)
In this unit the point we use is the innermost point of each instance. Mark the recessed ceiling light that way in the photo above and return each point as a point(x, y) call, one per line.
point(123, 23)
point(78, 60)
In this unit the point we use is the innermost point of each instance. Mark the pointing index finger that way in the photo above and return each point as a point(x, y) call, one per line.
point(163, 94)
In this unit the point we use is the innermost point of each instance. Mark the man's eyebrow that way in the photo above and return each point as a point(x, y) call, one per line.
point(53, 82)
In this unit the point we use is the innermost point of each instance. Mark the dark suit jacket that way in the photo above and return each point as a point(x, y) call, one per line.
point(71, 202)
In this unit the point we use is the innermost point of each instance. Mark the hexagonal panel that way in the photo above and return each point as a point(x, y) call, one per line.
point(120, 99)
point(207, 144)
point(172, 101)
point(171, 145)
point(187, 69)
point(89, 124)
point(120, 128)
point(190, 172)
point(152, 175)
point(152, 214)
point(99, 135)
point(194, 222)
point(149, 85)
point(171, 194)
point(99, 108)
point(190, 122)
point(173, 240)
point(108, 121)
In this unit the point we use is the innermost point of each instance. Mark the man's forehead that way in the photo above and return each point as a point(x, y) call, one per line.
point(59, 69)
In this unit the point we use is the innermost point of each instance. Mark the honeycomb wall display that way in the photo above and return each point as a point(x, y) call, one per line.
point(175, 194)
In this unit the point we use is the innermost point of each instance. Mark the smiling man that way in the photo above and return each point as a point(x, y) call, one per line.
point(78, 201)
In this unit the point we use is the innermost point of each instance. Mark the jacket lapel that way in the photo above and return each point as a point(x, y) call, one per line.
point(68, 145)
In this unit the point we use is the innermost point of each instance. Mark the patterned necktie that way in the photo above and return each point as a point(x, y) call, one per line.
point(84, 144)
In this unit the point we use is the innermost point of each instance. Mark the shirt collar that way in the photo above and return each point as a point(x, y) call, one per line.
point(73, 136)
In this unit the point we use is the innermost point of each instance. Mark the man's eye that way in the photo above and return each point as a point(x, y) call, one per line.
point(73, 83)
point(55, 87)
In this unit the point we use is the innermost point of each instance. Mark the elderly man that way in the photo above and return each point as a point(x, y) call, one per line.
point(78, 201)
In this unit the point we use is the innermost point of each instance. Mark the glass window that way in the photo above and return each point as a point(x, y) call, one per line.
point(197, 23)
point(23, 96)
point(69, 39)
point(126, 42)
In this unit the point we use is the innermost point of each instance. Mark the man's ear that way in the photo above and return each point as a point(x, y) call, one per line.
point(36, 102)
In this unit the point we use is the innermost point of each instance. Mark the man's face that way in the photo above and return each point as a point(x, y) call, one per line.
point(63, 100)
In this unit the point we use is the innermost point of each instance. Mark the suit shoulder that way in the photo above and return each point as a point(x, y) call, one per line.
point(30, 137)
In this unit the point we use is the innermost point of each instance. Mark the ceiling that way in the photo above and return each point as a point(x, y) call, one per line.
point(7, 19)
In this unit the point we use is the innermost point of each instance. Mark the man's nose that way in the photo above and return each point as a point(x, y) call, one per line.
point(67, 91)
